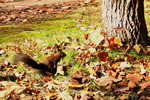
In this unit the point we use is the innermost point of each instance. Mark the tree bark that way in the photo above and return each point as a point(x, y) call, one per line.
point(125, 19)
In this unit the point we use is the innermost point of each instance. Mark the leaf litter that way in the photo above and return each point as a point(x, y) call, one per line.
point(98, 75)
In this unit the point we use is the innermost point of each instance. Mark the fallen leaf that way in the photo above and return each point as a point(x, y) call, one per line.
point(137, 48)
point(118, 41)
point(132, 84)
point(80, 86)
point(46, 79)
point(134, 77)
point(145, 85)
point(96, 37)
point(86, 36)
point(60, 70)
point(102, 56)
point(91, 70)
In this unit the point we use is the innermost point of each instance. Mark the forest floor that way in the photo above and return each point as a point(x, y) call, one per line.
point(95, 67)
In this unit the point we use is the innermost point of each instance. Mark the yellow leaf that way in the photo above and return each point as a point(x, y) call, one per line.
point(118, 41)
point(137, 48)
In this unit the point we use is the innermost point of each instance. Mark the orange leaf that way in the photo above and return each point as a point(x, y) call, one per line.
point(132, 84)
point(46, 79)
point(134, 77)
point(145, 85)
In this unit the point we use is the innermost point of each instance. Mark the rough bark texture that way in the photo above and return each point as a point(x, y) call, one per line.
point(125, 19)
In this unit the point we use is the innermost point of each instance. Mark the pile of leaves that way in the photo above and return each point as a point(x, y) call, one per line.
point(100, 74)
point(28, 14)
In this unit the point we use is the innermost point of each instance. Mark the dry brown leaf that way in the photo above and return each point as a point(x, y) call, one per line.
point(102, 56)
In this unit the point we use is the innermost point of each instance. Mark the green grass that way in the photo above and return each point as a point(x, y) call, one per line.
point(49, 30)
point(60, 27)
point(46, 32)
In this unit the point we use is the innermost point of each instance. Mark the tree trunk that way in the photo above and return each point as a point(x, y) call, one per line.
point(125, 19)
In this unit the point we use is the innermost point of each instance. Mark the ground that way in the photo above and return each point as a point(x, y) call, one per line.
point(95, 67)
point(20, 4)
